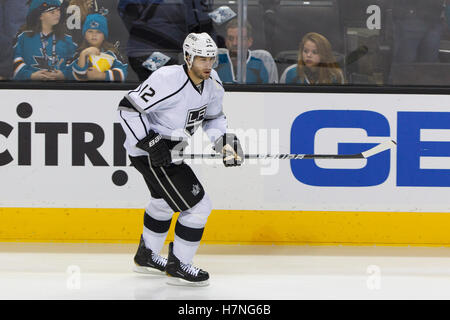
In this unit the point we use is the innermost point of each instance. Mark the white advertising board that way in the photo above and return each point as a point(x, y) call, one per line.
point(62, 149)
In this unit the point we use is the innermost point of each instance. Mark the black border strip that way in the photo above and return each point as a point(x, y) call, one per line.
point(96, 86)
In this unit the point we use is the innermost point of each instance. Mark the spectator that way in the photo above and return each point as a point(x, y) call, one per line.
point(94, 47)
point(12, 17)
point(198, 18)
point(158, 26)
point(78, 10)
point(316, 63)
point(153, 26)
point(42, 50)
point(261, 67)
point(76, 13)
point(417, 30)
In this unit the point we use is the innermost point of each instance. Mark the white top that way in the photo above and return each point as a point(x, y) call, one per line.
point(169, 103)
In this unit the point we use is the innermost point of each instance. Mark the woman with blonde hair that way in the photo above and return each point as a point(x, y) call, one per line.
point(316, 63)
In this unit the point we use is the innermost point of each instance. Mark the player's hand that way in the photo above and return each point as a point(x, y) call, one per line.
point(230, 148)
point(157, 148)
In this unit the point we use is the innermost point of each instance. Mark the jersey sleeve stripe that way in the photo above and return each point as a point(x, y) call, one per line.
point(169, 95)
point(126, 105)
point(131, 130)
point(77, 71)
point(135, 105)
point(142, 120)
point(111, 75)
point(18, 66)
point(79, 76)
point(137, 89)
point(218, 82)
point(118, 75)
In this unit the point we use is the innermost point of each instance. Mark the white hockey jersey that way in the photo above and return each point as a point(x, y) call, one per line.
point(169, 103)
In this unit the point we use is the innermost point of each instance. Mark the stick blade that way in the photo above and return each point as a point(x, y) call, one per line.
point(379, 148)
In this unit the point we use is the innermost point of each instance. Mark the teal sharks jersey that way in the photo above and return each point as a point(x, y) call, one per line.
point(34, 53)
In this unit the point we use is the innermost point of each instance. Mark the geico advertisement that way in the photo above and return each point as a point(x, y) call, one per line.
point(64, 149)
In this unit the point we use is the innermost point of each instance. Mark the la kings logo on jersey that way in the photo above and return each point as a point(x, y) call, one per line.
point(194, 119)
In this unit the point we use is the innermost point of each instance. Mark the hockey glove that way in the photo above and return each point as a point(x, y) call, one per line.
point(230, 148)
point(157, 148)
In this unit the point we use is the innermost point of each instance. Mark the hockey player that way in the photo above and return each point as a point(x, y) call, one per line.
point(158, 117)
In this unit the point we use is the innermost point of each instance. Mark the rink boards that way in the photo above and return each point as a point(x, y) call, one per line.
point(66, 177)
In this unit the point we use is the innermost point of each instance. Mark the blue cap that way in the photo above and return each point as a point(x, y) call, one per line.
point(97, 22)
point(43, 5)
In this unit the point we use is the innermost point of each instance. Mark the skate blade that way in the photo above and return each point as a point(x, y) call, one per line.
point(181, 282)
point(148, 270)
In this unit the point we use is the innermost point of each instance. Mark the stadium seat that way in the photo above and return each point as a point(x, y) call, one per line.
point(293, 19)
point(375, 45)
point(421, 74)
point(296, 18)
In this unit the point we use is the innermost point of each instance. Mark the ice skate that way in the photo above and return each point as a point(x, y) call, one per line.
point(181, 274)
point(148, 262)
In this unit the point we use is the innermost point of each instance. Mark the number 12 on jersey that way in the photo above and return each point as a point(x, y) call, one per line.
point(146, 92)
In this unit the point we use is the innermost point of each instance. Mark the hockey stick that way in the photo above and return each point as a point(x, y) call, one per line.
point(363, 155)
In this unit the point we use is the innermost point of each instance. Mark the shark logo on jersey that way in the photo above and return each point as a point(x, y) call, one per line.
point(41, 63)
point(194, 119)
